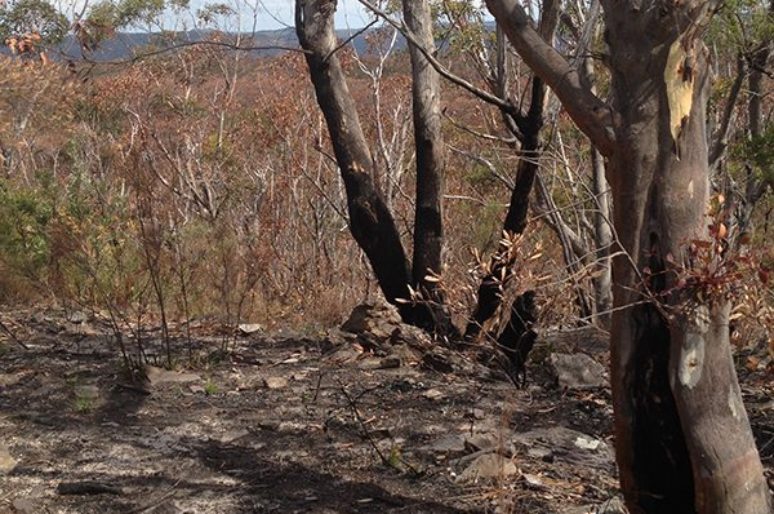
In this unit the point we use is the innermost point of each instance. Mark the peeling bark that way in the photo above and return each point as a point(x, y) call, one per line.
point(683, 440)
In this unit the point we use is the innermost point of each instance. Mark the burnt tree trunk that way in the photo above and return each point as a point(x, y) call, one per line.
point(490, 289)
point(683, 439)
point(370, 220)
point(430, 158)
point(527, 127)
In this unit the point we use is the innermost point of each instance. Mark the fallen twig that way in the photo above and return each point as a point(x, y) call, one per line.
point(86, 487)
point(13, 336)
point(367, 433)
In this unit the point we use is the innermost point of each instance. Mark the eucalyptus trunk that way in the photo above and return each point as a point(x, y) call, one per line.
point(431, 161)
point(370, 219)
point(683, 439)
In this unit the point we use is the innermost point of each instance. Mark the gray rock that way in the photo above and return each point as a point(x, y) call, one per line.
point(487, 467)
point(577, 371)
point(247, 329)
point(566, 445)
point(157, 376)
point(25, 506)
point(275, 382)
point(7, 462)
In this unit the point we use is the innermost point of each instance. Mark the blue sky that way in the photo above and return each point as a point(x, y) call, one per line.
point(348, 14)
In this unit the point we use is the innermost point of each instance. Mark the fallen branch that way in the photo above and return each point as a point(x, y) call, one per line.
point(13, 336)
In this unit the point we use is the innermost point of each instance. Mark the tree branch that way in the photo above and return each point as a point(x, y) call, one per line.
point(720, 139)
point(481, 94)
point(592, 115)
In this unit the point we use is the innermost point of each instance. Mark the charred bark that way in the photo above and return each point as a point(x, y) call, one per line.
point(430, 158)
point(490, 290)
point(370, 220)
point(518, 338)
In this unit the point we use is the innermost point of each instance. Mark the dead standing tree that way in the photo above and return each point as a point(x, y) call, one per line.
point(683, 439)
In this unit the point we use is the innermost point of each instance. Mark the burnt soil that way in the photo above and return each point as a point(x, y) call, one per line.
point(295, 423)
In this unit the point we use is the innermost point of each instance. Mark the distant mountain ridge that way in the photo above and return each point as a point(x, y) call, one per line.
point(125, 45)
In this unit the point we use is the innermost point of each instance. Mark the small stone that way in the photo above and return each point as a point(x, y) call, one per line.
point(478, 413)
point(247, 329)
point(77, 317)
point(25, 506)
point(577, 371)
point(158, 376)
point(7, 462)
point(196, 389)
point(390, 362)
point(488, 466)
point(433, 394)
point(275, 382)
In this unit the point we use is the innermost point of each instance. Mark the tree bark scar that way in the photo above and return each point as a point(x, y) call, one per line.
point(734, 404)
point(693, 347)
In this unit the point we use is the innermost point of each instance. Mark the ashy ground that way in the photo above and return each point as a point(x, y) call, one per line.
point(284, 423)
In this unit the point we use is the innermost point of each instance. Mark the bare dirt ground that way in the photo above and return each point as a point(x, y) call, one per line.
point(285, 423)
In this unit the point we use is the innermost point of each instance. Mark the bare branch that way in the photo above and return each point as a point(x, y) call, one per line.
point(481, 94)
point(179, 46)
point(720, 138)
point(592, 115)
